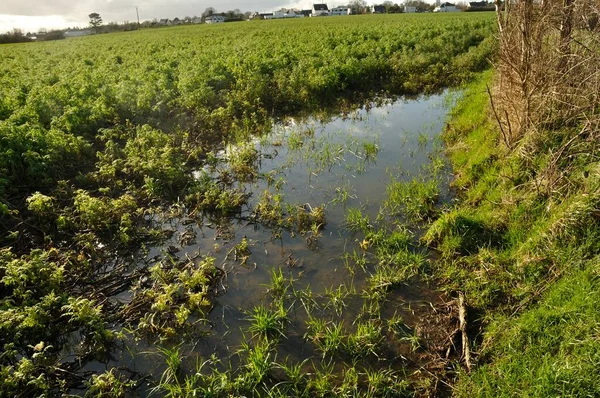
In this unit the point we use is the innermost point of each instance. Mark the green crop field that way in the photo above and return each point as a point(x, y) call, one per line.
point(99, 137)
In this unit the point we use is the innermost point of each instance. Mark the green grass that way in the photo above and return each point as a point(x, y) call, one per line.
point(551, 349)
point(415, 199)
point(268, 323)
point(356, 221)
point(526, 259)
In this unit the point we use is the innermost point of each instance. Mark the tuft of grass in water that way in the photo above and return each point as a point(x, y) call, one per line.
point(336, 298)
point(327, 336)
point(357, 259)
point(313, 236)
point(259, 360)
point(109, 384)
point(279, 284)
point(333, 338)
point(423, 140)
point(366, 340)
point(295, 374)
point(322, 383)
point(242, 160)
point(242, 251)
point(397, 327)
point(394, 270)
point(171, 379)
point(387, 383)
point(356, 221)
point(416, 198)
point(370, 150)
point(269, 323)
point(343, 194)
point(307, 299)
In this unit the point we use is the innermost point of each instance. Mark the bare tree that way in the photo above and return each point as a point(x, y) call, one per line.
point(548, 81)
point(358, 6)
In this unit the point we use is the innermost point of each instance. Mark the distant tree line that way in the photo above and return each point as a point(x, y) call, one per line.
point(17, 36)
point(361, 7)
point(235, 15)
point(420, 5)
point(392, 8)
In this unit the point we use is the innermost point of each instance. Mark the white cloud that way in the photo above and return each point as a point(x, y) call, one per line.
point(64, 13)
point(28, 23)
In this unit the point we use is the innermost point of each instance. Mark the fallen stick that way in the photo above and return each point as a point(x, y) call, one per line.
point(462, 316)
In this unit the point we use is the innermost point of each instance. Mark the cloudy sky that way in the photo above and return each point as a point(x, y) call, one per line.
point(50, 14)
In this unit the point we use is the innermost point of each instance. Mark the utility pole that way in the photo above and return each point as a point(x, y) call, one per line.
point(138, 15)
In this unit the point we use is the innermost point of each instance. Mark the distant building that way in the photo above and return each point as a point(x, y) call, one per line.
point(282, 14)
point(410, 9)
point(165, 22)
point(340, 11)
point(77, 33)
point(446, 7)
point(319, 10)
point(306, 13)
point(177, 21)
point(215, 19)
point(378, 9)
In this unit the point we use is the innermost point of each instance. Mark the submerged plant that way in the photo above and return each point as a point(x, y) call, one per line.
point(269, 323)
point(336, 298)
point(416, 199)
point(356, 221)
point(109, 384)
point(366, 339)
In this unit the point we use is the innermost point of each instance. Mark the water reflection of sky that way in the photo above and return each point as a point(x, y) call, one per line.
point(404, 131)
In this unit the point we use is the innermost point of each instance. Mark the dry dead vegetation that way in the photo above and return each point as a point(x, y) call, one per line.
point(547, 68)
point(548, 80)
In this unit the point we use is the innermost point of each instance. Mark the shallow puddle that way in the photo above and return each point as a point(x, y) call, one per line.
point(342, 163)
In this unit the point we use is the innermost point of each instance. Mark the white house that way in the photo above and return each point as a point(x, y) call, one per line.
point(340, 11)
point(410, 9)
point(281, 14)
point(292, 14)
point(215, 19)
point(77, 33)
point(446, 7)
point(319, 10)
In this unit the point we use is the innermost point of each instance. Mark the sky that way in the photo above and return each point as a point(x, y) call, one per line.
point(30, 16)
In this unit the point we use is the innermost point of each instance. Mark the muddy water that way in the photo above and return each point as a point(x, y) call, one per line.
point(315, 162)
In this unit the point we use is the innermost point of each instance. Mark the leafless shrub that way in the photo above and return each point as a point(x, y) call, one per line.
point(548, 80)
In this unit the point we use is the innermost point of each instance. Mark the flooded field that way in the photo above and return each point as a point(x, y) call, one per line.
point(297, 282)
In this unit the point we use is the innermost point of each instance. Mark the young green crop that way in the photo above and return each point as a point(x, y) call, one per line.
point(101, 137)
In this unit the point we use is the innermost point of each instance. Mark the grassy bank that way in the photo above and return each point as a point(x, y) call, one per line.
point(523, 245)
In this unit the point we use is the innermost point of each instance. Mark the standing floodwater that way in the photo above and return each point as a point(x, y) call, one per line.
point(320, 271)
